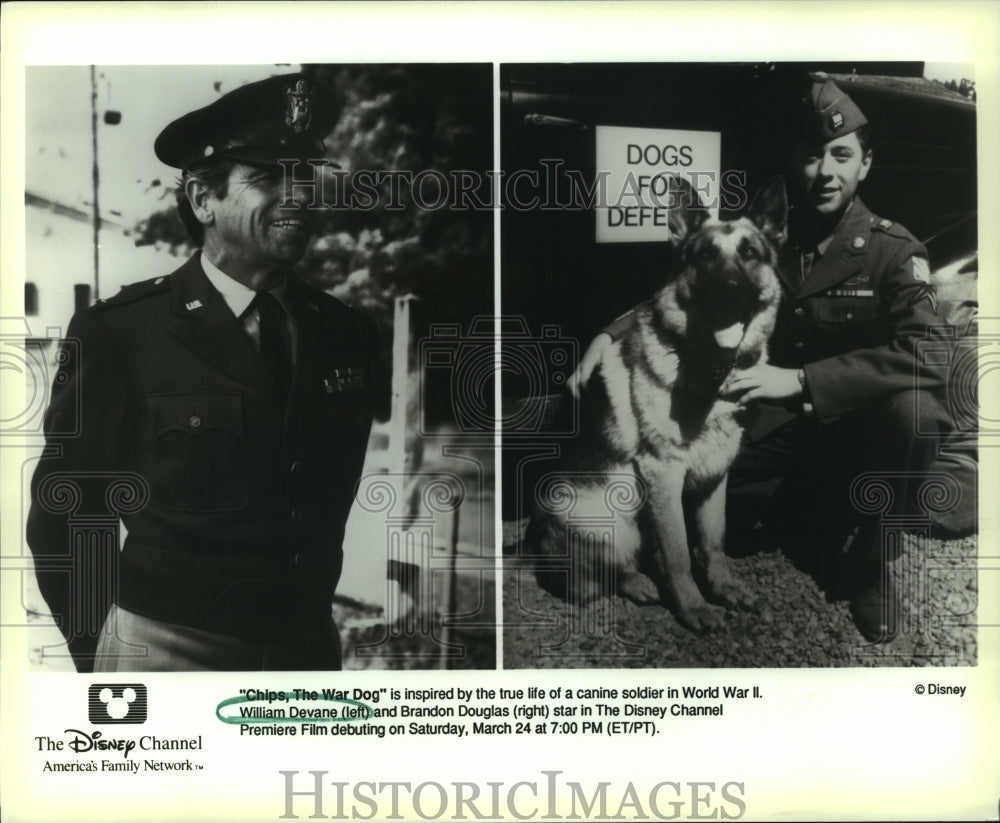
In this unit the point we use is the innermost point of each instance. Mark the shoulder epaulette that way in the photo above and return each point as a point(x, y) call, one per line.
point(134, 291)
point(893, 229)
point(317, 299)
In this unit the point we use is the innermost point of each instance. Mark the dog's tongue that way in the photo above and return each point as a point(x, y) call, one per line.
point(729, 337)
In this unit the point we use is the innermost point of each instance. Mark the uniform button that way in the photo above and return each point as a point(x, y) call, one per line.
point(800, 345)
point(799, 311)
point(295, 468)
point(297, 514)
point(850, 315)
point(194, 421)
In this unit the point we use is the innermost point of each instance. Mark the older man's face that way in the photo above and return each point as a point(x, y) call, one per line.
point(263, 219)
point(829, 173)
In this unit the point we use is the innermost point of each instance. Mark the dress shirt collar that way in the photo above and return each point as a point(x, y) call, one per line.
point(237, 296)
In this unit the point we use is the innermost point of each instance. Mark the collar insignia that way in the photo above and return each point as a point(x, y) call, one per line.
point(194, 304)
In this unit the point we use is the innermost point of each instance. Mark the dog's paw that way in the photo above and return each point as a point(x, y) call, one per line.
point(639, 589)
point(703, 617)
point(735, 596)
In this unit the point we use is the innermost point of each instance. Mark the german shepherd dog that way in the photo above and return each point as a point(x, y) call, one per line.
point(657, 435)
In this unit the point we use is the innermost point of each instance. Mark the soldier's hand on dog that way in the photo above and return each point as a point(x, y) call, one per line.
point(591, 357)
point(764, 382)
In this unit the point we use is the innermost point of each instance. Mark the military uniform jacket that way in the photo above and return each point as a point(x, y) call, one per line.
point(235, 500)
point(852, 324)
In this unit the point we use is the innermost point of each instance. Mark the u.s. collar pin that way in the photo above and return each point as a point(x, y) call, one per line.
point(194, 304)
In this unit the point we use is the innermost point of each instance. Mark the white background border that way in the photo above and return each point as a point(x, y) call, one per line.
point(825, 744)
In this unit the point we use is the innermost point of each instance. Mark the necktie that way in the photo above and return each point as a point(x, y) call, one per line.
point(807, 260)
point(273, 346)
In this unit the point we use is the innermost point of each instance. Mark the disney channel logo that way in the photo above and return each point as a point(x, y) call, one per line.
point(83, 742)
point(117, 703)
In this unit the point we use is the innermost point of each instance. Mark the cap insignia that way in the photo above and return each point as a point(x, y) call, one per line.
point(836, 121)
point(299, 114)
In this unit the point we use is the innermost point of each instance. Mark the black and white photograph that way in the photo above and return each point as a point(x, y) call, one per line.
point(749, 436)
point(242, 463)
point(499, 411)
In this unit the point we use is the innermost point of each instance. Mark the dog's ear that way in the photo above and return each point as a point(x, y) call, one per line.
point(769, 211)
point(686, 211)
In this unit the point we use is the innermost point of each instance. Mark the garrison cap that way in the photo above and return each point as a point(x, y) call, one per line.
point(283, 117)
point(827, 112)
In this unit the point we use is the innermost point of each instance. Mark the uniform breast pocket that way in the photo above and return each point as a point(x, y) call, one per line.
point(200, 461)
point(856, 311)
point(346, 420)
point(345, 399)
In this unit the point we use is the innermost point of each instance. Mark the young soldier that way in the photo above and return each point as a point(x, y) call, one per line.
point(843, 392)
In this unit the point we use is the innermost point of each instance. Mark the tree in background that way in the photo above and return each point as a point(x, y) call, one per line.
point(967, 88)
point(409, 119)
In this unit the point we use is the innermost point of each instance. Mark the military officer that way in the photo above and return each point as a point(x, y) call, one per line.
point(843, 393)
point(223, 412)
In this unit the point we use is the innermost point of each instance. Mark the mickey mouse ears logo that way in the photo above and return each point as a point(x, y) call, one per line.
point(117, 703)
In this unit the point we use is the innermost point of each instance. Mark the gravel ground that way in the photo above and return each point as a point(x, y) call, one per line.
point(799, 623)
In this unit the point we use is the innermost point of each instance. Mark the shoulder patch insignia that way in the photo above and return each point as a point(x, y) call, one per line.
point(921, 270)
point(925, 293)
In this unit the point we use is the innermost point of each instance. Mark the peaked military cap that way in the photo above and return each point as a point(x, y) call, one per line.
point(828, 112)
point(283, 117)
